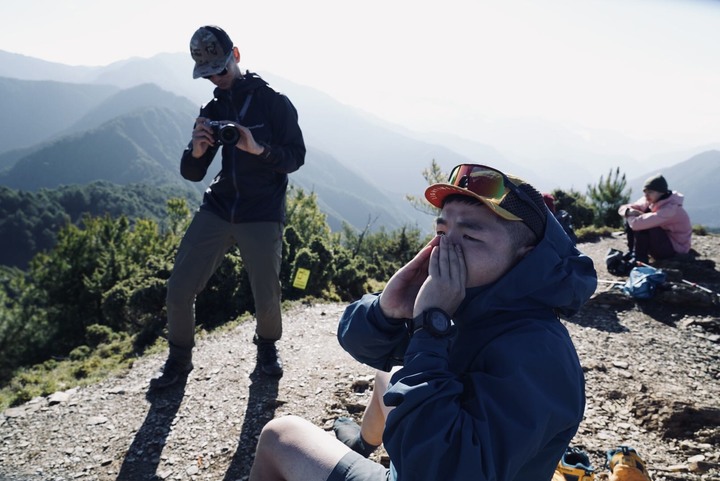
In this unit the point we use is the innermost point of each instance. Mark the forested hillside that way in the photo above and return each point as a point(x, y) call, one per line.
point(97, 298)
point(30, 221)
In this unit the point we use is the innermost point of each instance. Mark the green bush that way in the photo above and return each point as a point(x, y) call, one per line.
point(97, 334)
point(96, 300)
point(698, 229)
point(607, 196)
point(593, 234)
point(226, 295)
point(79, 353)
point(576, 205)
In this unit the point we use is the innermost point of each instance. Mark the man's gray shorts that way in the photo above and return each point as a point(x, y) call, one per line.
point(354, 467)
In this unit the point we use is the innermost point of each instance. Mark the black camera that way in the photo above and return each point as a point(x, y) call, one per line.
point(225, 133)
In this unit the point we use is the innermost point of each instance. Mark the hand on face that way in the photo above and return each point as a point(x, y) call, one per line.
point(434, 278)
point(398, 297)
point(473, 248)
point(444, 287)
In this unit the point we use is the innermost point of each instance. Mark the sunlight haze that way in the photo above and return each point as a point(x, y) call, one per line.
point(648, 69)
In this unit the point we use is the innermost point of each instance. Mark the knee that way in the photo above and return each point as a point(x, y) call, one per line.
point(179, 294)
point(642, 234)
point(280, 434)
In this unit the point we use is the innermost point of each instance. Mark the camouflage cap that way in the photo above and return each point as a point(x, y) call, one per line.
point(212, 49)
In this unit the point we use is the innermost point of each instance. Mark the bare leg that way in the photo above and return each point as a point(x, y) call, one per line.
point(376, 412)
point(366, 437)
point(291, 448)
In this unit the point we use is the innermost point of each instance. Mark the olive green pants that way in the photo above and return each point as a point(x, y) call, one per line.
point(201, 251)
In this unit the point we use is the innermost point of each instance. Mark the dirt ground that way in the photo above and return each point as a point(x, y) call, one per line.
point(652, 370)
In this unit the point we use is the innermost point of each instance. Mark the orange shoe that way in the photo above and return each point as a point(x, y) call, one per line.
point(625, 464)
point(574, 466)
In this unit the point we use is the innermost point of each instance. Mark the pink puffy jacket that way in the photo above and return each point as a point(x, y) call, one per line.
point(667, 214)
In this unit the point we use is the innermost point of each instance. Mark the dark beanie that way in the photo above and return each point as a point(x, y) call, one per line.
point(656, 183)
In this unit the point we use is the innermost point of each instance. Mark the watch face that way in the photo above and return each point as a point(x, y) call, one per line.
point(439, 321)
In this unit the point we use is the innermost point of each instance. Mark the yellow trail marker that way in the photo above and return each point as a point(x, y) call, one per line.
point(301, 278)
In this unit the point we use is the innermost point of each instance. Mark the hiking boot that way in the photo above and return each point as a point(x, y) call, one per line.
point(172, 372)
point(268, 358)
point(625, 464)
point(575, 466)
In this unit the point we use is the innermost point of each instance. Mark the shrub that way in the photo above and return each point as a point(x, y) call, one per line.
point(607, 196)
point(698, 229)
point(79, 353)
point(592, 233)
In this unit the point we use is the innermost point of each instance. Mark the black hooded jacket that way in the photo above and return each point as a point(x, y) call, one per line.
point(250, 188)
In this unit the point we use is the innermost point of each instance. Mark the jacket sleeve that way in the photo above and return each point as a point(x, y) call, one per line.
point(370, 337)
point(641, 204)
point(510, 417)
point(194, 169)
point(286, 152)
point(660, 217)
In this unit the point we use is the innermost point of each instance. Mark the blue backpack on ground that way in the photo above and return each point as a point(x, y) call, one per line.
point(643, 281)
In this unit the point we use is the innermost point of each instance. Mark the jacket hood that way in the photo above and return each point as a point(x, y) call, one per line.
point(554, 275)
point(249, 81)
point(675, 198)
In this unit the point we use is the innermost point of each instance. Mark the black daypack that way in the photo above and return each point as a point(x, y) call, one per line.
point(618, 263)
point(566, 221)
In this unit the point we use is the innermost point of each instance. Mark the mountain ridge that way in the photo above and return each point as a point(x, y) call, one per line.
point(389, 157)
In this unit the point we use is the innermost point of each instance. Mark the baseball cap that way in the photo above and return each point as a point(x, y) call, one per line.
point(508, 197)
point(211, 48)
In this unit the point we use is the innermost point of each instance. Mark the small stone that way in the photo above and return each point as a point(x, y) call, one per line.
point(697, 458)
point(95, 420)
point(15, 412)
point(701, 467)
point(59, 397)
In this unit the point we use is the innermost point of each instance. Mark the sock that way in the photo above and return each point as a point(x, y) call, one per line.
point(348, 432)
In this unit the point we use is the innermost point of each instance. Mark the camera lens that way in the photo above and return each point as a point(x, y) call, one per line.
point(229, 134)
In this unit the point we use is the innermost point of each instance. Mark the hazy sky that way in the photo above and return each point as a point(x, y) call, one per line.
point(646, 68)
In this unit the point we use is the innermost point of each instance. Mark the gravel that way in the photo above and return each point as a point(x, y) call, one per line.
point(652, 370)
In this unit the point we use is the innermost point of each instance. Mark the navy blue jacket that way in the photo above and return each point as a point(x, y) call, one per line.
point(250, 188)
point(503, 398)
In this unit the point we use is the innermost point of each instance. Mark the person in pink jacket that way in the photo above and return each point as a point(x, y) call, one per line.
point(657, 225)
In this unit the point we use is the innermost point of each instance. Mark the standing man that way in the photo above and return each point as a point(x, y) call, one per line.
point(257, 130)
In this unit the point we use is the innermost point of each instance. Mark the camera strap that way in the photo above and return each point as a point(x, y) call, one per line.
point(245, 107)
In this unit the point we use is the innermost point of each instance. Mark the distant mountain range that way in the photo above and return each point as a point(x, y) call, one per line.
point(128, 122)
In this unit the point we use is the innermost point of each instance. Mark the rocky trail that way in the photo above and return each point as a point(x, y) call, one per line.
point(652, 370)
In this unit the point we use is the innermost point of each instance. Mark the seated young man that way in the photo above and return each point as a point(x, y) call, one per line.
point(489, 385)
point(657, 225)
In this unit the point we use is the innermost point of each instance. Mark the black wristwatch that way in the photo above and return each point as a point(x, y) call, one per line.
point(436, 321)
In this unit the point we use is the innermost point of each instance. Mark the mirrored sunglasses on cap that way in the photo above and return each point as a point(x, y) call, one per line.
point(487, 184)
